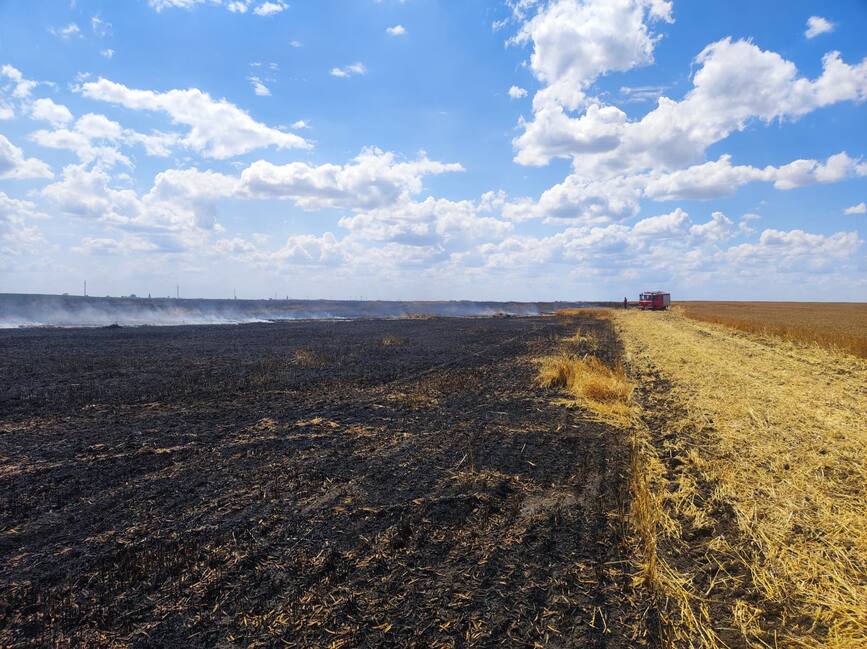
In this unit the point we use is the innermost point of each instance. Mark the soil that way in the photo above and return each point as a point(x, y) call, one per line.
point(307, 484)
point(718, 577)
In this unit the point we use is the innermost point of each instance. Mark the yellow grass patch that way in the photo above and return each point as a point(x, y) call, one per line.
point(604, 391)
point(778, 432)
point(584, 340)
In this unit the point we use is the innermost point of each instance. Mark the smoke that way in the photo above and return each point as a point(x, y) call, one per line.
point(74, 311)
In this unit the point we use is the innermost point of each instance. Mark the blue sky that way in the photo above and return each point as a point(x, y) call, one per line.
point(558, 149)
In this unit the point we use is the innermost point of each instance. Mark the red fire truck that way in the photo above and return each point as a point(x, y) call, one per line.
point(654, 300)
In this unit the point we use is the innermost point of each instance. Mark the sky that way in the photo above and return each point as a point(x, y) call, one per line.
point(434, 149)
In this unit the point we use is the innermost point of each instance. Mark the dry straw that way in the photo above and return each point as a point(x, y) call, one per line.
point(604, 391)
point(778, 431)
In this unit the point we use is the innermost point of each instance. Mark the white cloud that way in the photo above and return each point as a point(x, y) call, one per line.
point(663, 226)
point(860, 208)
point(615, 197)
point(552, 133)
point(296, 44)
point(719, 228)
point(517, 93)
point(373, 179)
point(86, 193)
point(126, 245)
point(218, 128)
point(238, 6)
point(159, 5)
point(299, 250)
point(300, 124)
point(397, 30)
point(107, 53)
point(178, 213)
point(817, 25)
point(69, 31)
point(18, 234)
point(192, 185)
point(23, 87)
point(736, 82)
point(45, 109)
point(13, 164)
point(638, 94)
point(578, 199)
point(100, 27)
point(708, 180)
point(347, 70)
point(258, 87)
point(576, 41)
point(270, 8)
point(807, 172)
point(93, 138)
point(794, 250)
point(432, 222)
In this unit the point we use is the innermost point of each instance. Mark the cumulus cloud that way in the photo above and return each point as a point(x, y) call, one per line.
point(807, 172)
point(517, 93)
point(552, 133)
point(14, 165)
point(18, 233)
point(860, 208)
point(817, 25)
point(396, 30)
point(736, 82)
point(46, 110)
point(270, 8)
point(719, 228)
point(22, 87)
point(432, 222)
point(217, 128)
point(373, 179)
point(96, 139)
point(575, 41)
point(795, 249)
point(720, 178)
point(177, 214)
point(298, 250)
point(86, 193)
point(582, 200)
point(349, 70)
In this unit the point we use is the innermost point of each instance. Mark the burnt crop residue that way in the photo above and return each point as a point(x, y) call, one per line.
point(305, 484)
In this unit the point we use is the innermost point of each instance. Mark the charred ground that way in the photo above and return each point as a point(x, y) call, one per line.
point(367, 483)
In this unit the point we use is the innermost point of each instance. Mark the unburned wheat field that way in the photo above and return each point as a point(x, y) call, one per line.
point(837, 325)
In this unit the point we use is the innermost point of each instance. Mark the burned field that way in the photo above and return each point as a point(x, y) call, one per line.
point(367, 483)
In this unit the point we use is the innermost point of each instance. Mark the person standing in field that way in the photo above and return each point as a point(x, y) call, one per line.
point(625, 303)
